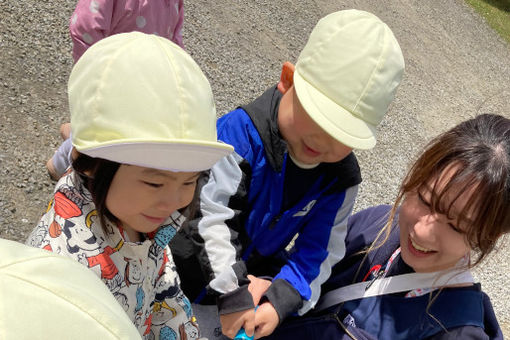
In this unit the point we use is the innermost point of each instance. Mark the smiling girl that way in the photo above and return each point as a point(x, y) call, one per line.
point(406, 273)
point(143, 121)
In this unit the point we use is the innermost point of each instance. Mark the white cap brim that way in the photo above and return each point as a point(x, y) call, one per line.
point(353, 132)
point(181, 156)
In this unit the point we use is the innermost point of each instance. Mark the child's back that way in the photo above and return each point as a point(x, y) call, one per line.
point(94, 20)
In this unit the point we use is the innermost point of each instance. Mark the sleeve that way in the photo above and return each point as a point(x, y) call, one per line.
point(172, 312)
point(464, 333)
point(177, 35)
point(227, 183)
point(90, 22)
point(319, 246)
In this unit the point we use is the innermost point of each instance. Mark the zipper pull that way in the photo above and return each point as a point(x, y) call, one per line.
point(378, 274)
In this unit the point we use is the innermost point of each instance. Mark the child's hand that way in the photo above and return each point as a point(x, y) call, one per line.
point(257, 288)
point(232, 323)
point(266, 320)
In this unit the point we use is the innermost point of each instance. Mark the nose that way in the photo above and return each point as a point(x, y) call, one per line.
point(425, 227)
point(169, 201)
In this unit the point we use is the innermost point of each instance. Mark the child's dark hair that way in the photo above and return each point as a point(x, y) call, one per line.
point(479, 150)
point(97, 175)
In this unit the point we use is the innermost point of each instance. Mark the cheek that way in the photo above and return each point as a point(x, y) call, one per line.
point(118, 202)
point(111, 203)
point(187, 196)
point(405, 214)
point(458, 245)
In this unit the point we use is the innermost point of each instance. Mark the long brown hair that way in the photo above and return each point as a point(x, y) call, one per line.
point(480, 150)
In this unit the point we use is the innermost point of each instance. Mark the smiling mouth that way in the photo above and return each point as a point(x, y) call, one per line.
point(420, 248)
point(311, 151)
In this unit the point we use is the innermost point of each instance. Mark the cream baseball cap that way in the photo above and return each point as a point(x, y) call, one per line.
point(140, 99)
point(48, 296)
point(347, 75)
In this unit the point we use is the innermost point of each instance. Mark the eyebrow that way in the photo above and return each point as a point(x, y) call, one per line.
point(157, 172)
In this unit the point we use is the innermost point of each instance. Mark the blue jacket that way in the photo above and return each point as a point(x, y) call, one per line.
point(454, 313)
point(245, 228)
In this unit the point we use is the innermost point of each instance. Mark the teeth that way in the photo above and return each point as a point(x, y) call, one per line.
point(420, 248)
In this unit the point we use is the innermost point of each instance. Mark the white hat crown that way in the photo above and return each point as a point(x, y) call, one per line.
point(347, 75)
point(140, 99)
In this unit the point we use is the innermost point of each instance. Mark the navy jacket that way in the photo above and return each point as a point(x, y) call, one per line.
point(455, 313)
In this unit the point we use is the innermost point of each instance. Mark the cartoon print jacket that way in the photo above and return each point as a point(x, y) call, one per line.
point(141, 276)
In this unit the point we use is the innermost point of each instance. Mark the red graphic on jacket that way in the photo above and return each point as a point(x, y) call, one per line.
point(55, 229)
point(64, 207)
point(103, 260)
point(165, 261)
point(148, 323)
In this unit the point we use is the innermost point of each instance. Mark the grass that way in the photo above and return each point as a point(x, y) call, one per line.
point(496, 13)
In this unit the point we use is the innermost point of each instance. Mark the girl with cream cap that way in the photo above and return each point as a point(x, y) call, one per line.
point(143, 130)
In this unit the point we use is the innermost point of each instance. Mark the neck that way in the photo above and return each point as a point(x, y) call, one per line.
point(303, 165)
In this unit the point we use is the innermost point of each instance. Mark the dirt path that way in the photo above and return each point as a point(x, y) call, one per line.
point(456, 67)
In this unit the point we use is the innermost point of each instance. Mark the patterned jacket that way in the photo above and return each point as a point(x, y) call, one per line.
point(141, 275)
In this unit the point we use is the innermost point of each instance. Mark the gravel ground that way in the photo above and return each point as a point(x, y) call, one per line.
point(456, 67)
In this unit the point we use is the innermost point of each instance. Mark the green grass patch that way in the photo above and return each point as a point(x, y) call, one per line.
point(496, 13)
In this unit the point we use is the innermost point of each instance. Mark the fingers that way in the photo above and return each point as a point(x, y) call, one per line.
point(266, 320)
point(257, 288)
point(249, 327)
point(232, 323)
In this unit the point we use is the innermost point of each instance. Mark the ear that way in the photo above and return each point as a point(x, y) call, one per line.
point(286, 77)
point(74, 154)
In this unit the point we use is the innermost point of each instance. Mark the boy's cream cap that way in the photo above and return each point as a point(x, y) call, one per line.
point(44, 295)
point(140, 99)
point(347, 75)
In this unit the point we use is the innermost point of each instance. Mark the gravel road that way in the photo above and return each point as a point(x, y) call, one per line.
point(456, 67)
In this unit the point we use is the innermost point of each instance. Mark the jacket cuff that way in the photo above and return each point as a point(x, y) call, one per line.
point(235, 301)
point(284, 297)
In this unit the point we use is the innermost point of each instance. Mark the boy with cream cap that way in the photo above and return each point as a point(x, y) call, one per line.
point(292, 173)
point(144, 129)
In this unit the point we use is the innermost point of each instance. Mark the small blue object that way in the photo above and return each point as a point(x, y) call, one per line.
point(241, 335)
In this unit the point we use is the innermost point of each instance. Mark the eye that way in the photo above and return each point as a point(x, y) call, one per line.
point(190, 183)
point(152, 185)
point(454, 228)
point(422, 199)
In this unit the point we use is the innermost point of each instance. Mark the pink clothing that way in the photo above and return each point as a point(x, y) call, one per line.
point(94, 20)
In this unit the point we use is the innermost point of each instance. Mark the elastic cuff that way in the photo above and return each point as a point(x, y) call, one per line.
point(284, 297)
point(235, 301)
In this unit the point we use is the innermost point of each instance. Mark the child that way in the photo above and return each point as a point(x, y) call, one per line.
point(143, 121)
point(94, 20)
point(292, 173)
point(454, 200)
point(40, 298)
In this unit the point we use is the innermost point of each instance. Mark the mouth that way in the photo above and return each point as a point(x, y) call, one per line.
point(153, 219)
point(418, 250)
point(310, 152)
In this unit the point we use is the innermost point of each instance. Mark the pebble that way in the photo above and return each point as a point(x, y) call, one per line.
point(456, 67)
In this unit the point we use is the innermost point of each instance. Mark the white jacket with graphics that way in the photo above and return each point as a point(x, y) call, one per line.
point(141, 276)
